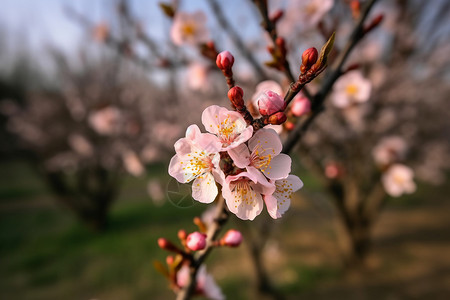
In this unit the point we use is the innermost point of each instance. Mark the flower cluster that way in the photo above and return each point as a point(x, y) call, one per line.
point(247, 164)
point(178, 263)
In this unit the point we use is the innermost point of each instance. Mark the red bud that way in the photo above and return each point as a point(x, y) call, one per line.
point(225, 61)
point(236, 94)
point(309, 58)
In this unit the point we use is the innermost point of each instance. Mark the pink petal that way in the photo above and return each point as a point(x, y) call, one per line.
point(245, 207)
point(240, 156)
point(279, 167)
point(266, 139)
point(176, 169)
point(204, 188)
point(210, 118)
point(245, 135)
point(271, 204)
point(263, 186)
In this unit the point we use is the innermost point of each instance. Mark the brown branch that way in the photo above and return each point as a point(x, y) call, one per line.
point(333, 75)
point(237, 40)
point(220, 219)
point(271, 29)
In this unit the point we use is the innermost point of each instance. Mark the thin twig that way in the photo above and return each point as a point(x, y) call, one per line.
point(333, 75)
point(237, 40)
point(221, 217)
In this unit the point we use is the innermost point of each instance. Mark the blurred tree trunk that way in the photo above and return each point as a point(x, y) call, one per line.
point(89, 194)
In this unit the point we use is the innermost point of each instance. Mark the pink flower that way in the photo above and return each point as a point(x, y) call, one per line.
point(269, 103)
point(279, 202)
point(268, 85)
point(263, 154)
point(197, 158)
point(351, 88)
point(389, 150)
point(242, 194)
point(189, 28)
point(398, 180)
point(106, 121)
point(196, 241)
point(229, 126)
point(300, 106)
point(232, 238)
point(205, 283)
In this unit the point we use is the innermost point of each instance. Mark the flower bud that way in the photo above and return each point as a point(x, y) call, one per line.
point(236, 96)
point(169, 260)
point(289, 126)
point(167, 245)
point(182, 234)
point(309, 58)
point(232, 238)
point(269, 103)
point(300, 106)
point(277, 119)
point(225, 61)
point(196, 241)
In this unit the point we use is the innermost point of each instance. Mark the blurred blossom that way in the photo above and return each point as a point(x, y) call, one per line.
point(300, 105)
point(389, 150)
point(303, 15)
point(106, 121)
point(398, 180)
point(156, 192)
point(101, 32)
point(80, 144)
point(189, 28)
point(206, 284)
point(132, 163)
point(351, 88)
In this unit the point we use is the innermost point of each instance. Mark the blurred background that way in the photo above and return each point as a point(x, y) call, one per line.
point(93, 95)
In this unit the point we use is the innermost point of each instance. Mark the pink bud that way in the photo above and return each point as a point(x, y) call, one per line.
point(309, 58)
point(232, 238)
point(269, 103)
point(236, 94)
point(196, 241)
point(277, 118)
point(225, 61)
point(300, 106)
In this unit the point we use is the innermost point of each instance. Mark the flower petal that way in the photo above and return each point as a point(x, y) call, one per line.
point(266, 138)
point(279, 167)
point(245, 203)
point(204, 188)
point(240, 156)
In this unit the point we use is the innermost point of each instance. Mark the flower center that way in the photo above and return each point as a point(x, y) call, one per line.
point(398, 179)
point(227, 131)
point(188, 29)
point(199, 163)
point(261, 158)
point(243, 193)
point(351, 89)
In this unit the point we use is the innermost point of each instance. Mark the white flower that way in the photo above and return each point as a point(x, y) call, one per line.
point(189, 28)
point(351, 88)
point(398, 180)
